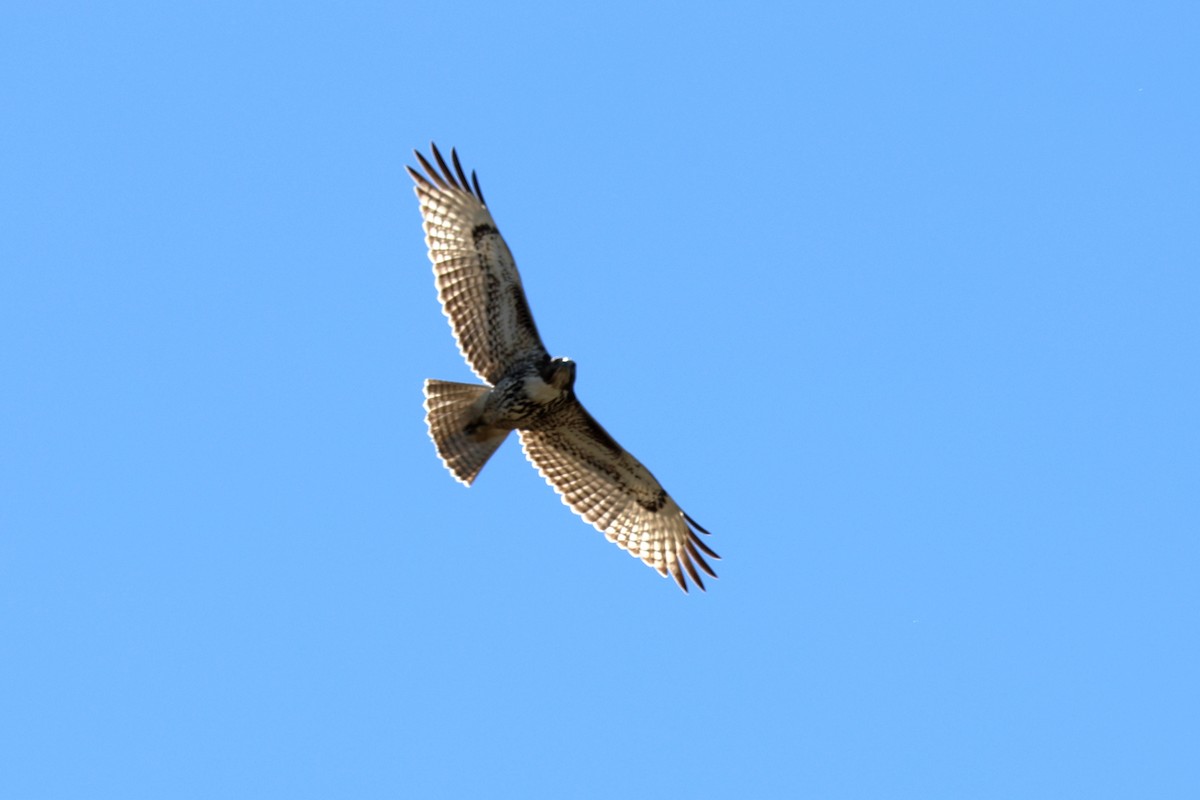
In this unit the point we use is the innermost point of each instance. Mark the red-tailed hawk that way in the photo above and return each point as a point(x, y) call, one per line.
point(527, 391)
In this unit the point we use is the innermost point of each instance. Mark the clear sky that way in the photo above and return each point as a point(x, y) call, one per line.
point(899, 300)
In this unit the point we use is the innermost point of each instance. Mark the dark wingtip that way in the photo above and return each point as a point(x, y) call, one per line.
point(430, 171)
point(478, 191)
point(442, 176)
point(694, 553)
point(697, 541)
point(677, 574)
point(446, 173)
point(416, 176)
point(691, 569)
point(695, 524)
point(462, 177)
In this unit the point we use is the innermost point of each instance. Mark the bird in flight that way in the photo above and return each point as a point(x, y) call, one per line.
point(528, 391)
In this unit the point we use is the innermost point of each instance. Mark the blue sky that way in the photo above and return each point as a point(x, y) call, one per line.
point(898, 300)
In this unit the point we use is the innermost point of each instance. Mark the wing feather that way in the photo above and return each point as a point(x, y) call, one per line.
point(477, 280)
point(601, 482)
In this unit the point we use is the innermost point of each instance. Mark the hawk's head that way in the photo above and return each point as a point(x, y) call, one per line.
point(560, 373)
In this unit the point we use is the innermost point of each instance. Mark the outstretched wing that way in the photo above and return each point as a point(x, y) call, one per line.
point(477, 280)
point(609, 488)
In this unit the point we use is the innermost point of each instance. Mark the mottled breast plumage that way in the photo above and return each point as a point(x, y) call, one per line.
point(527, 395)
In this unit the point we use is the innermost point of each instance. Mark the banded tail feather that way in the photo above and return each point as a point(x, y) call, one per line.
point(450, 410)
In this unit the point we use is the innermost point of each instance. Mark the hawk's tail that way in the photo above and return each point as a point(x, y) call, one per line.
point(450, 410)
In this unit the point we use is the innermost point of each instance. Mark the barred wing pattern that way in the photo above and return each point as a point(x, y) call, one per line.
point(601, 482)
point(477, 280)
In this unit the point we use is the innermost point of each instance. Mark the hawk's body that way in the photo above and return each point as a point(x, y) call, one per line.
point(482, 296)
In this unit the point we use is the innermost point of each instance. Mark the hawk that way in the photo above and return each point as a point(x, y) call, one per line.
point(528, 391)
